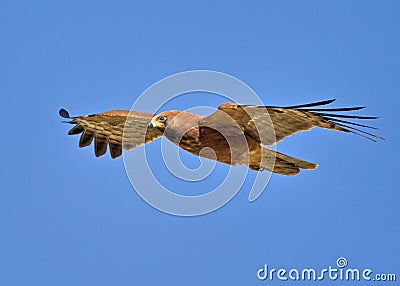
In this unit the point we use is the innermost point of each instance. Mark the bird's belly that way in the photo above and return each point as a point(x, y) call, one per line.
point(230, 151)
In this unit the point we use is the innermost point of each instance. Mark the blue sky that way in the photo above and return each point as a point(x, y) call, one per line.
point(68, 218)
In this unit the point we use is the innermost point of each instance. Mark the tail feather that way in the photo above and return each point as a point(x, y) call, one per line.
point(283, 164)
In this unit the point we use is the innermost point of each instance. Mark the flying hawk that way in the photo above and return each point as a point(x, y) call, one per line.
point(235, 134)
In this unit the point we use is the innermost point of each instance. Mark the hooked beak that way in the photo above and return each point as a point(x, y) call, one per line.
point(150, 125)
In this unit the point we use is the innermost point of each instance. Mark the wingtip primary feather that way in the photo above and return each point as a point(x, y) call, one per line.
point(64, 113)
point(319, 103)
point(327, 115)
point(334, 109)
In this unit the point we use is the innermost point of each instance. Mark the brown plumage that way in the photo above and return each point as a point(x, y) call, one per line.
point(237, 134)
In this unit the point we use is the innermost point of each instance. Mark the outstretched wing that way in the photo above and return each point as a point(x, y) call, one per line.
point(270, 124)
point(107, 129)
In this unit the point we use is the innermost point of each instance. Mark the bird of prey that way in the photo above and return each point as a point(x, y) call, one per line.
point(234, 134)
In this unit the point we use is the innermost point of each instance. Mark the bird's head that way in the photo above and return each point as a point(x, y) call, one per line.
point(162, 119)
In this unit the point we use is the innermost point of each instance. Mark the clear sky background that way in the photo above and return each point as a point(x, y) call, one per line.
point(68, 218)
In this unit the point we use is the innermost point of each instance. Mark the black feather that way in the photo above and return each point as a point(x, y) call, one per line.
point(100, 145)
point(352, 123)
point(334, 109)
point(63, 113)
point(345, 116)
point(76, 130)
point(359, 134)
point(86, 139)
point(115, 149)
point(359, 130)
point(319, 103)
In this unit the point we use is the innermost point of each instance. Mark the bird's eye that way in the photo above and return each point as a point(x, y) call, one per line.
point(162, 118)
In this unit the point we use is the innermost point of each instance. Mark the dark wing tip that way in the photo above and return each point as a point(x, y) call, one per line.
point(63, 113)
point(334, 109)
point(327, 115)
point(319, 103)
